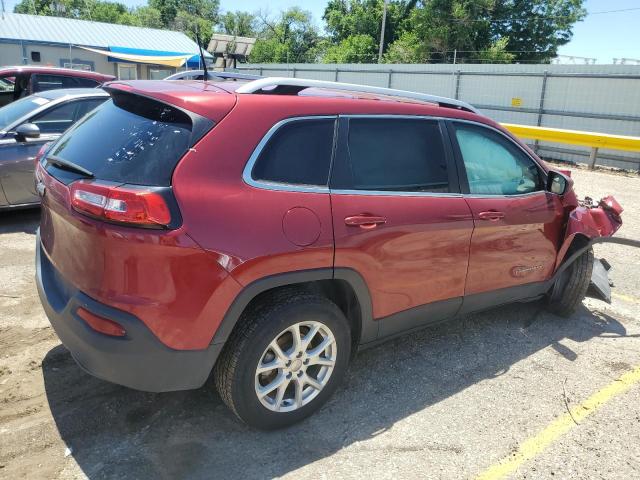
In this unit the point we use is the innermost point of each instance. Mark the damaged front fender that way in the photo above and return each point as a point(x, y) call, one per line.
point(588, 222)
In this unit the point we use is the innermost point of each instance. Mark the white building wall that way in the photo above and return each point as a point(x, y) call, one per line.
point(11, 54)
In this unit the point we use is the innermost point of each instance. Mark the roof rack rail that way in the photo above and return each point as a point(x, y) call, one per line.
point(234, 75)
point(212, 75)
point(292, 86)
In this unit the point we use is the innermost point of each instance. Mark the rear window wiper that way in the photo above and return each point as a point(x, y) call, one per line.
point(68, 165)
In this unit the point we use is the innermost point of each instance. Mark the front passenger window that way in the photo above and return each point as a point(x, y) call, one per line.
point(494, 166)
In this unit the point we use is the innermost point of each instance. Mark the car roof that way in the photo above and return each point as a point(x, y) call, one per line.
point(55, 70)
point(58, 93)
point(204, 98)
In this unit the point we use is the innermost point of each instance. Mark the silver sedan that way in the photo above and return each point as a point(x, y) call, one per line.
point(29, 123)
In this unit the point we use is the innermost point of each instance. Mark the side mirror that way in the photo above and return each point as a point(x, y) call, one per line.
point(27, 130)
point(557, 183)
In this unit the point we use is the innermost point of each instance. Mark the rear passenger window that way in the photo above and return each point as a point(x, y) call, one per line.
point(298, 153)
point(79, 82)
point(52, 82)
point(395, 155)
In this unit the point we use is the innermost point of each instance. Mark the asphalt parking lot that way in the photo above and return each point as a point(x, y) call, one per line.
point(485, 395)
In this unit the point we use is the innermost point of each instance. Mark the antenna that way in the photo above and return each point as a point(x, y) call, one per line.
point(204, 62)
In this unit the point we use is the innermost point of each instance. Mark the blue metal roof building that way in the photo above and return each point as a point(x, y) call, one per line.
point(56, 41)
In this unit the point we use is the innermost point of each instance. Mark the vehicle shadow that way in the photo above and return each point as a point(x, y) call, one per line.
point(117, 432)
point(17, 221)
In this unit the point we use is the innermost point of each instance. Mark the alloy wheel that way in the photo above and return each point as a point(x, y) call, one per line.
point(296, 366)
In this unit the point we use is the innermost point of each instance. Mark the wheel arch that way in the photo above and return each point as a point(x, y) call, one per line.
point(343, 286)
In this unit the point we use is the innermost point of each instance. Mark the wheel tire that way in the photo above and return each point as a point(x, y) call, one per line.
point(259, 325)
point(571, 287)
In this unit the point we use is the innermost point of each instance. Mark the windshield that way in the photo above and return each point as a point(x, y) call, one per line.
point(12, 112)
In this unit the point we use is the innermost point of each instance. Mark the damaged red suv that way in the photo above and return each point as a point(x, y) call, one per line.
point(266, 230)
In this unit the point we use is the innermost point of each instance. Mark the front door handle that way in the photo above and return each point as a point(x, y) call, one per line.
point(491, 215)
point(364, 221)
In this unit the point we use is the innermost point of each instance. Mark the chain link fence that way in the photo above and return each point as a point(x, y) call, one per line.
point(596, 98)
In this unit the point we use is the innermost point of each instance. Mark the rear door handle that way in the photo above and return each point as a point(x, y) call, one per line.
point(491, 215)
point(364, 221)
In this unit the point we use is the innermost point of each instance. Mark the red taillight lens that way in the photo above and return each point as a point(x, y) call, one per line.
point(102, 325)
point(124, 204)
point(40, 153)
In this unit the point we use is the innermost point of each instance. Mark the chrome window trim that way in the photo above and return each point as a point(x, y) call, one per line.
point(287, 187)
point(278, 186)
point(394, 193)
point(516, 195)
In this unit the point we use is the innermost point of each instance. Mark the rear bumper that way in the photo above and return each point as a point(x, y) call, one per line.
point(138, 360)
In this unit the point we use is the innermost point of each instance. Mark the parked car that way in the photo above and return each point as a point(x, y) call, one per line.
point(28, 124)
point(22, 81)
point(270, 229)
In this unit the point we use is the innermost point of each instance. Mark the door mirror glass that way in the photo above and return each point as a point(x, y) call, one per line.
point(557, 183)
point(27, 130)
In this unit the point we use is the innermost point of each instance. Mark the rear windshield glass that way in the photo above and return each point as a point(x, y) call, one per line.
point(129, 139)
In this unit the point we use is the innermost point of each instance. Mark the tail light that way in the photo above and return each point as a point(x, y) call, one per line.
point(41, 152)
point(127, 204)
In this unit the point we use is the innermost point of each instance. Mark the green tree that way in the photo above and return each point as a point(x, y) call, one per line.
point(347, 18)
point(496, 53)
point(188, 23)
point(241, 24)
point(407, 49)
point(148, 17)
point(445, 26)
point(108, 12)
point(431, 30)
point(290, 37)
point(56, 8)
point(169, 9)
point(536, 28)
point(353, 49)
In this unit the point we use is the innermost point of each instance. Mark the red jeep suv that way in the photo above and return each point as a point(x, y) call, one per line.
point(266, 230)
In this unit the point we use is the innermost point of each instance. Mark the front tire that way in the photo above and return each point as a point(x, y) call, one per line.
point(285, 358)
point(571, 287)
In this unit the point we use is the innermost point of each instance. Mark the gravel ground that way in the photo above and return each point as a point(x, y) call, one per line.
point(447, 402)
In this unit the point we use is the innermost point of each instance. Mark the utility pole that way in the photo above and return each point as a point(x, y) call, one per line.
point(384, 22)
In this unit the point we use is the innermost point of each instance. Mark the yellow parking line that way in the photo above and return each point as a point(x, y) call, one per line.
point(625, 298)
point(535, 445)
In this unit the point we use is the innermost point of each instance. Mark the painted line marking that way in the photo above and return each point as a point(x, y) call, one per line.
point(538, 443)
point(625, 298)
